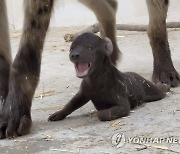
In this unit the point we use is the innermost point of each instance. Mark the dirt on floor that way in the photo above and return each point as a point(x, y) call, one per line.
point(150, 128)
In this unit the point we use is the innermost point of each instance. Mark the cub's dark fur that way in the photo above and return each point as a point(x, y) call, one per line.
point(112, 92)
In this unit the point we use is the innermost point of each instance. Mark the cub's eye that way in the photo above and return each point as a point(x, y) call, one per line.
point(71, 49)
point(90, 48)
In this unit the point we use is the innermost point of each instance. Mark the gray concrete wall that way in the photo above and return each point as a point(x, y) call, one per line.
point(72, 13)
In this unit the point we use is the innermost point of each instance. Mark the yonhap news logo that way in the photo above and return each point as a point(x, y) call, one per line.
point(119, 140)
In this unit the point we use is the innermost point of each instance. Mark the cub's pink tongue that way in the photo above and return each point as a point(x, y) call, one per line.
point(81, 69)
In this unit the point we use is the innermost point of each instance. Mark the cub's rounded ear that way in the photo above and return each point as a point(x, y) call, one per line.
point(108, 46)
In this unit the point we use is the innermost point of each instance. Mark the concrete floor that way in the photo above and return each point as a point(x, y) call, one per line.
point(82, 132)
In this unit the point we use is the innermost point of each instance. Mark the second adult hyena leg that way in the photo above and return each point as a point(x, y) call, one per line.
point(15, 118)
point(164, 70)
point(105, 11)
point(5, 54)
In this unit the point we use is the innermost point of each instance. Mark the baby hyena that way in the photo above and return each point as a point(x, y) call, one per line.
point(18, 80)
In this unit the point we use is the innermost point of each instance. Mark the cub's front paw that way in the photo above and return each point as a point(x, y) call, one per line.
point(57, 116)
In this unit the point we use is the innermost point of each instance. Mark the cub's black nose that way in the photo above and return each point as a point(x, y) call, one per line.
point(74, 56)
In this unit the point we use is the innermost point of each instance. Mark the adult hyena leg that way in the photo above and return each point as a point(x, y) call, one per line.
point(15, 118)
point(164, 70)
point(5, 54)
point(105, 11)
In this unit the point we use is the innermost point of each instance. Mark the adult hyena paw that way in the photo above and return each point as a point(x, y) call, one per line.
point(13, 126)
point(15, 120)
point(167, 76)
